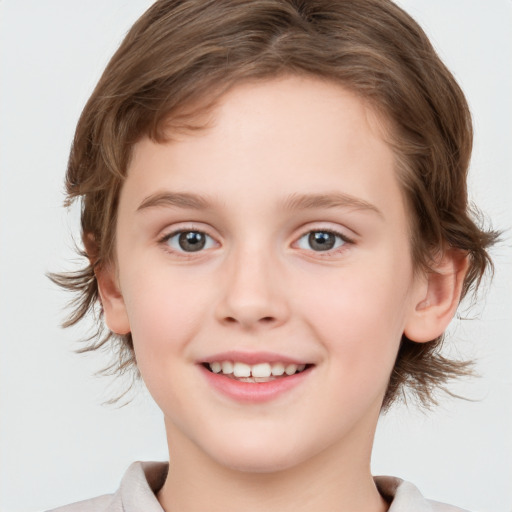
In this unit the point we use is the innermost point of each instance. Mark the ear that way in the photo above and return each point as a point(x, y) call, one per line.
point(114, 310)
point(437, 297)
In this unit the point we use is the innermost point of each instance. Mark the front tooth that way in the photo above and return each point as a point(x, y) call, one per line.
point(227, 367)
point(215, 367)
point(241, 370)
point(261, 370)
point(277, 369)
point(290, 369)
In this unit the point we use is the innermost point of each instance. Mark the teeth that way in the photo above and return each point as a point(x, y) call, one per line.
point(216, 367)
point(227, 367)
point(258, 371)
point(290, 369)
point(277, 369)
point(261, 370)
point(241, 370)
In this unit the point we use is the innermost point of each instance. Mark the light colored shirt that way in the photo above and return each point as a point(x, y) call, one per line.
point(142, 480)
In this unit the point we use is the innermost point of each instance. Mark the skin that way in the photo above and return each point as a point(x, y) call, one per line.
point(258, 285)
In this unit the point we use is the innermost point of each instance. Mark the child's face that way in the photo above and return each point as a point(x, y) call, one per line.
point(297, 251)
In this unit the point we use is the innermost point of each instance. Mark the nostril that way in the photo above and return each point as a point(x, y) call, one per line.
point(264, 320)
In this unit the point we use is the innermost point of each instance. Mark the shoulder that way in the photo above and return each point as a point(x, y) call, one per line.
point(405, 497)
point(98, 504)
point(137, 491)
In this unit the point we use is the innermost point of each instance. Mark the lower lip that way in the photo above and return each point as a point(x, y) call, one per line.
point(254, 392)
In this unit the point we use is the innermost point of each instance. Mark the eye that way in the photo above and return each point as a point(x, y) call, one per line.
point(321, 241)
point(189, 241)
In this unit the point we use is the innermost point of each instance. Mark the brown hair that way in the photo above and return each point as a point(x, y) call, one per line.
point(184, 52)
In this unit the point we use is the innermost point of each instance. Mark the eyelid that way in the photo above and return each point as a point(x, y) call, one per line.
point(327, 227)
point(180, 227)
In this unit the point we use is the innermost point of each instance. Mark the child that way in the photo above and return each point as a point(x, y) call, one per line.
point(275, 215)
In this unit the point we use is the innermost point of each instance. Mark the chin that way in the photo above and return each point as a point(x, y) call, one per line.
point(258, 457)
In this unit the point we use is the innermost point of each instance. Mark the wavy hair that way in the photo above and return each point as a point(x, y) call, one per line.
point(181, 55)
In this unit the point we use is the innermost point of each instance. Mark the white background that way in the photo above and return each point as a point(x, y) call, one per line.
point(58, 444)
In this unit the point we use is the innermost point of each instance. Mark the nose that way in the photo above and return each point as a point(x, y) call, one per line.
point(253, 294)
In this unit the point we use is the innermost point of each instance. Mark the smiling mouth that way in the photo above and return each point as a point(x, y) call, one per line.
point(261, 372)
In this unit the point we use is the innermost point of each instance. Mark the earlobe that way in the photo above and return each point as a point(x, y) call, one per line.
point(438, 297)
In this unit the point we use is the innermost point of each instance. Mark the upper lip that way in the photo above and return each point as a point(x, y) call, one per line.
point(253, 358)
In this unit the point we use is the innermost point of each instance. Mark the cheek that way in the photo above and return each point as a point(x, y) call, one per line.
point(165, 314)
point(362, 325)
point(163, 320)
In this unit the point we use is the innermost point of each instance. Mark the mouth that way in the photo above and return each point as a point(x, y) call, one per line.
point(255, 377)
point(260, 372)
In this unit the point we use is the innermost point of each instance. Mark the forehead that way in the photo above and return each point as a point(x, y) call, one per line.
point(294, 135)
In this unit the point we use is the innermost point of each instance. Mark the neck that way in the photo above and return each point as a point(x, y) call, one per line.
point(336, 479)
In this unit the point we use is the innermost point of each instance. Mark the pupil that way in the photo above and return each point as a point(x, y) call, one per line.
point(321, 241)
point(191, 241)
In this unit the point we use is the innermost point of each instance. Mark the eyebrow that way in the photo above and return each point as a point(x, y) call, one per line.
point(176, 199)
point(335, 200)
point(293, 202)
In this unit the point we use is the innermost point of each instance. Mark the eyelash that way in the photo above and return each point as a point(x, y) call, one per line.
point(165, 241)
point(322, 253)
point(339, 237)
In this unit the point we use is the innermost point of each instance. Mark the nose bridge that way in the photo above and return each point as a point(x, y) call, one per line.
point(252, 292)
